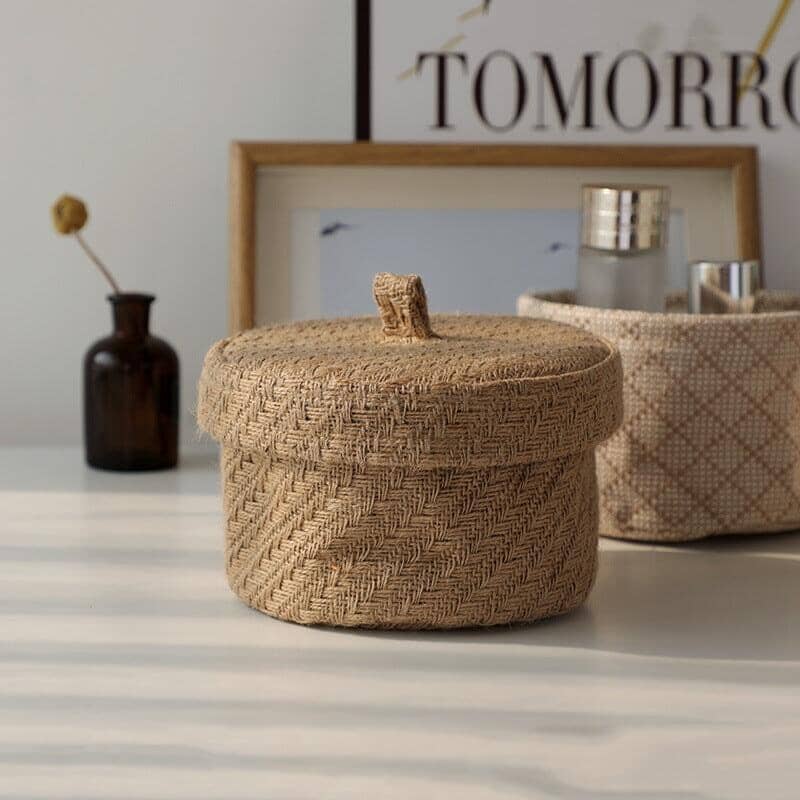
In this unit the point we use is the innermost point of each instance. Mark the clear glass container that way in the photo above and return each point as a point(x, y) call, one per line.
point(623, 259)
point(631, 279)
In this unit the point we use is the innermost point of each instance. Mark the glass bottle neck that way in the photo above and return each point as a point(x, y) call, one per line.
point(131, 314)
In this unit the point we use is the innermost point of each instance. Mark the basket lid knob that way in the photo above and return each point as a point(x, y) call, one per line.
point(403, 306)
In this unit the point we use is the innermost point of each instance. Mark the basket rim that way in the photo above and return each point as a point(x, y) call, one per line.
point(551, 298)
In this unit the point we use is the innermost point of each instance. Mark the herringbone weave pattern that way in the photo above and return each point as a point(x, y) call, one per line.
point(407, 548)
point(710, 442)
point(404, 482)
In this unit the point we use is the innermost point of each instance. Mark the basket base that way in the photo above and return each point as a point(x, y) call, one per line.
point(676, 536)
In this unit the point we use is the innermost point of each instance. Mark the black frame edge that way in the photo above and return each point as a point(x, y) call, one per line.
point(363, 70)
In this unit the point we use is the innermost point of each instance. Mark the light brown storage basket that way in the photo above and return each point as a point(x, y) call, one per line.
point(393, 476)
point(710, 442)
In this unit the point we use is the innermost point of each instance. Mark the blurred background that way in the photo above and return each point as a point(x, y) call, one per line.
point(132, 106)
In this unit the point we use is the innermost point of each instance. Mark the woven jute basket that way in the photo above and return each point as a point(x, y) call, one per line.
point(411, 472)
point(710, 442)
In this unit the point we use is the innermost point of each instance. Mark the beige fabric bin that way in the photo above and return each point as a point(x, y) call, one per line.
point(710, 442)
point(401, 477)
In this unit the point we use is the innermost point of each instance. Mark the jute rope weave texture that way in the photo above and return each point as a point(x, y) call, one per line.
point(710, 442)
point(439, 474)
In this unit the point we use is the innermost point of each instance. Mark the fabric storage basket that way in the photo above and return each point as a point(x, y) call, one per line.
point(710, 442)
point(393, 476)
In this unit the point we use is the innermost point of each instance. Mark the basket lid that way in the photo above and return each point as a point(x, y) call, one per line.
point(409, 390)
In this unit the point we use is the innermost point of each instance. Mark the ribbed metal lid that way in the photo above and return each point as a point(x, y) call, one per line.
point(624, 217)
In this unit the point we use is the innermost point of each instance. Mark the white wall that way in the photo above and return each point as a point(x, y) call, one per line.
point(131, 105)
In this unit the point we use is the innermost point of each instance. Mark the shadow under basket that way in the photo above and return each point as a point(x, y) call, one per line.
point(710, 440)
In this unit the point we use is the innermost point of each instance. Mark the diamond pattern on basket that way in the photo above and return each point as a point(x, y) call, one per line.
point(710, 440)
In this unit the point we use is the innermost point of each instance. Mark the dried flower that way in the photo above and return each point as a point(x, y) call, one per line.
point(69, 214)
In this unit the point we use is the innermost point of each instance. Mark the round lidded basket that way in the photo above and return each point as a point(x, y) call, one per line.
point(419, 473)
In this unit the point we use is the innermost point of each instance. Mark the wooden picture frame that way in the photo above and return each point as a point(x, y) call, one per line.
point(246, 158)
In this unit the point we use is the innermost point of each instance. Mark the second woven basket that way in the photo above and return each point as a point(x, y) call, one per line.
point(710, 442)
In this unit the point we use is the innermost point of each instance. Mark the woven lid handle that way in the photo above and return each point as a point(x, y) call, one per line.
point(402, 305)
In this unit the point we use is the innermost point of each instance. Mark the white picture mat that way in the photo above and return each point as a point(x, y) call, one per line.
point(289, 199)
point(476, 261)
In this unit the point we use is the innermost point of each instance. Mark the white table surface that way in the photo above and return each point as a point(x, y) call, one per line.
point(129, 670)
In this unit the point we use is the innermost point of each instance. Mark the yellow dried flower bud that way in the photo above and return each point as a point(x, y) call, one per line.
point(69, 214)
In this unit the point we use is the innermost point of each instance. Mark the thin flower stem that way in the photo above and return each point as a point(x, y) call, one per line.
point(98, 263)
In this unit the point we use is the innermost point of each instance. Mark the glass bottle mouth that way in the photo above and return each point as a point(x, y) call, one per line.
point(130, 297)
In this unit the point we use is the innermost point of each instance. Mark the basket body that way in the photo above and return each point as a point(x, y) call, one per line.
point(409, 548)
point(710, 440)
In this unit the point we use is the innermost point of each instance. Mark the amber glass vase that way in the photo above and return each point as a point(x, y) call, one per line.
point(130, 395)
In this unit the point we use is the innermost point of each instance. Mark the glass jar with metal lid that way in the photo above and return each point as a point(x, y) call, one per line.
point(622, 260)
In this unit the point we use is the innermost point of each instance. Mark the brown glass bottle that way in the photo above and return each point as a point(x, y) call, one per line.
point(130, 393)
